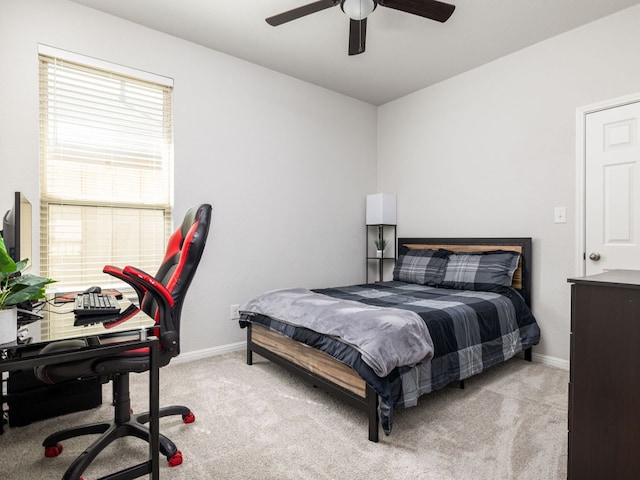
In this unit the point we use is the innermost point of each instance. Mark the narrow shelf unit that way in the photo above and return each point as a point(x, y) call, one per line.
point(378, 260)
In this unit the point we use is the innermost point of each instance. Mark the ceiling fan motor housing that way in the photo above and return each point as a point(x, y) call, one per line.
point(358, 9)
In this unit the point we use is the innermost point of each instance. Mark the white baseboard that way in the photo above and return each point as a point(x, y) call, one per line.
point(551, 361)
point(234, 347)
point(209, 352)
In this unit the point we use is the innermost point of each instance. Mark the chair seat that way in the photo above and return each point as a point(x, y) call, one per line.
point(133, 361)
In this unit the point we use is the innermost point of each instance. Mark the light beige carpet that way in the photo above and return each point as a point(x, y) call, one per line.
point(258, 422)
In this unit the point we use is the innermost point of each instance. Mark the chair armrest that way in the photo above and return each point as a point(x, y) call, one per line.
point(163, 299)
point(118, 273)
point(130, 311)
point(144, 284)
point(153, 286)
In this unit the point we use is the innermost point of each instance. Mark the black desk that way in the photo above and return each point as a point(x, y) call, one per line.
point(100, 341)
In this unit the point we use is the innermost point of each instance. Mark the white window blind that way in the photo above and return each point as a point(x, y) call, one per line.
point(106, 172)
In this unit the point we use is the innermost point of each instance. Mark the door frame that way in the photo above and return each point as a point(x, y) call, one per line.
point(581, 166)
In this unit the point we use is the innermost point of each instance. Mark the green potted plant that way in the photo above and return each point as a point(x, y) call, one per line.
point(14, 289)
point(381, 244)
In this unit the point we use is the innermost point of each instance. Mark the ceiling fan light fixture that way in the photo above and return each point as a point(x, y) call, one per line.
point(358, 9)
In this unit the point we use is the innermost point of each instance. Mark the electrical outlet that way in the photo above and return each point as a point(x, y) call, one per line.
point(235, 313)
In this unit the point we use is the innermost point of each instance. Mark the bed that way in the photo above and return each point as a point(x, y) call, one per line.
point(455, 307)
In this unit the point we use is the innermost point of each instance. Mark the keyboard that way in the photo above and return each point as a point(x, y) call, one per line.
point(96, 304)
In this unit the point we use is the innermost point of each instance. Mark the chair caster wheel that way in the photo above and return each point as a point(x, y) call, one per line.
point(189, 418)
point(176, 459)
point(53, 451)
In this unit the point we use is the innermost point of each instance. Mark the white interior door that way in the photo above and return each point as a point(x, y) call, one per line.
point(612, 189)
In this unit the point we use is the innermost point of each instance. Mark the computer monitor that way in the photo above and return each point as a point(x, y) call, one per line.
point(16, 229)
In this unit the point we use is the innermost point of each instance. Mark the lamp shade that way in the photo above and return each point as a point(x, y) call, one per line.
point(358, 9)
point(381, 209)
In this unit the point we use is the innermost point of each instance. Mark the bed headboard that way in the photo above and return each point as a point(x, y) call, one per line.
point(522, 275)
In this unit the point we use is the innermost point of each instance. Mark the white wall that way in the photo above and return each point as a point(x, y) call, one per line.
point(286, 165)
point(491, 152)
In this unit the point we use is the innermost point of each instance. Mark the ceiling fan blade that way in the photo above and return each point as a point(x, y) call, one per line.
point(301, 12)
point(357, 36)
point(432, 9)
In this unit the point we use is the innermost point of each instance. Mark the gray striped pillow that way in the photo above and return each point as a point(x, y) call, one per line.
point(423, 266)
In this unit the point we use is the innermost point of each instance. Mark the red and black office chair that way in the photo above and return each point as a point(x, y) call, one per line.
point(161, 297)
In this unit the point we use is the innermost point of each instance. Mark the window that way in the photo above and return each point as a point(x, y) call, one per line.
point(106, 169)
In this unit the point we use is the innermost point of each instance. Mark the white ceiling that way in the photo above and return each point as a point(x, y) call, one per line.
point(404, 52)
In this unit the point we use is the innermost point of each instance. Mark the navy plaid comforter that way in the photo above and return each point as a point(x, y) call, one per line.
point(471, 331)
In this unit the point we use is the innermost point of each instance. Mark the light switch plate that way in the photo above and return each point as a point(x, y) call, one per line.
point(560, 215)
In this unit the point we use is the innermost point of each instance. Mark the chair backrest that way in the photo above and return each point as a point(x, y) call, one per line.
point(181, 260)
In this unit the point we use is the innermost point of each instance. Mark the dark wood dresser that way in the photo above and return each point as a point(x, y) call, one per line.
point(604, 383)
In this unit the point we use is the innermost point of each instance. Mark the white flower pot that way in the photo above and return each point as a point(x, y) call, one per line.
point(379, 253)
point(8, 325)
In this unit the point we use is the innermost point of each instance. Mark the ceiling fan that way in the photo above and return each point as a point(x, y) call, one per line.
point(359, 10)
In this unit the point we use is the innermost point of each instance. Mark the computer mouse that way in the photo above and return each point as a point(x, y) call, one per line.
point(93, 290)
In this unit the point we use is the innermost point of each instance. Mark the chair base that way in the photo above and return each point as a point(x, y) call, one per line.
point(123, 425)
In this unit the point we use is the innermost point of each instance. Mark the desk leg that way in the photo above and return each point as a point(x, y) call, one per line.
point(154, 410)
point(2, 379)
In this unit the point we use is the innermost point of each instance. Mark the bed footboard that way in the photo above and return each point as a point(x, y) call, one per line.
point(316, 367)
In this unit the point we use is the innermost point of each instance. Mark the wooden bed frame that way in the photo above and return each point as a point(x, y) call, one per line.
point(324, 371)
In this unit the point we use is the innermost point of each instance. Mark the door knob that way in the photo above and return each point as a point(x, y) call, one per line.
point(595, 256)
